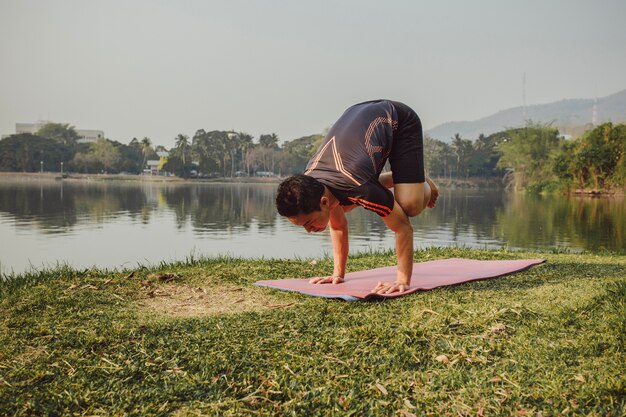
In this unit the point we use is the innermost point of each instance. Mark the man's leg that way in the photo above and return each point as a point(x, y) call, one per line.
point(434, 193)
point(412, 197)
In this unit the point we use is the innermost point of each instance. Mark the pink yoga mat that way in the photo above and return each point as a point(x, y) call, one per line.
point(426, 276)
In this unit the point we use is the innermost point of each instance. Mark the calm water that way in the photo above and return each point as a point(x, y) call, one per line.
point(115, 224)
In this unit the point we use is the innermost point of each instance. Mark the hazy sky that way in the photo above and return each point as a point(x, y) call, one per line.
point(158, 68)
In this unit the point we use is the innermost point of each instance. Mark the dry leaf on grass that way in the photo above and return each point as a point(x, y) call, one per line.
point(497, 328)
point(442, 359)
point(381, 388)
point(89, 287)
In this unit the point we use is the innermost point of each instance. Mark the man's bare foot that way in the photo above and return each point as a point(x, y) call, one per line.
point(434, 193)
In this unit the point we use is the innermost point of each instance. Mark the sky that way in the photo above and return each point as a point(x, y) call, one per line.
point(155, 68)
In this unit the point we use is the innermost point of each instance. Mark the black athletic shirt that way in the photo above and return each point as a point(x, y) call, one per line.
point(354, 153)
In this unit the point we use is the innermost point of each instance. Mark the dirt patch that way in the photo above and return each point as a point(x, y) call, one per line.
point(177, 300)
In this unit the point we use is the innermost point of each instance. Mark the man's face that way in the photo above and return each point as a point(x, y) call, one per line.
point(312, 222)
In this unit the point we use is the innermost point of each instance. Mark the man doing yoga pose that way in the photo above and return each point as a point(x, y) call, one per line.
point(346, 171)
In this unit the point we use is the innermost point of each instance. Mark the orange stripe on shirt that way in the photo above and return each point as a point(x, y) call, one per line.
point(339, 164)
point(383, 210)
point(318, 157)
point(371, 203)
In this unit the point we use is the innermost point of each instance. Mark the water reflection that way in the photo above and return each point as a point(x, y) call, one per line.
point(158, 221)
point(217, 208)
point(465, 216)
point(580, 222)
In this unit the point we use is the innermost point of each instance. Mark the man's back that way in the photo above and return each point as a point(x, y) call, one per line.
point(356, 147)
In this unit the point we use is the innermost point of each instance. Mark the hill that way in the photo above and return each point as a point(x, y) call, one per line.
point(567, 115)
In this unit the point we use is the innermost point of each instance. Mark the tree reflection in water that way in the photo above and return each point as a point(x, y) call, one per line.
point(475, 218)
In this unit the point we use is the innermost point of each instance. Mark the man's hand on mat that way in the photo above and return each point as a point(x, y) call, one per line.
point(333, 279)
point(390, 287)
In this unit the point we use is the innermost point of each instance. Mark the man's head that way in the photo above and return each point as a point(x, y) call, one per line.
point(302, 199)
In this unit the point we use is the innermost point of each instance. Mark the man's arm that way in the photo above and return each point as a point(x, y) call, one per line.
point(399, 223)
point(339, 238)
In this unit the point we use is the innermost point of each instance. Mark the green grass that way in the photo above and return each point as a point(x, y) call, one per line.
point(544, 342)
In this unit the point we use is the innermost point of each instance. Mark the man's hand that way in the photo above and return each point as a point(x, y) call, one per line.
point(390, 287)
point(333, 279)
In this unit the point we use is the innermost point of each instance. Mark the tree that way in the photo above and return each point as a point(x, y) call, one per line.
point(530, 152)
point(464, 152)
point(246, 143)
point(438, 157)
point(209, 148)
point(182, 143)
point(61, 133)
point(130, 158)
point(296, 154)
point(175, 164)
point(597, 160)
point(103, 156)
point(134, 143)
point(231, 148)
point(105, 152)
point(26, 152)
point(146, 150)
point(269, 141)
point(485, 156)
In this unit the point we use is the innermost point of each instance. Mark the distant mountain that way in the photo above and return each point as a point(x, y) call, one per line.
point(565, 114)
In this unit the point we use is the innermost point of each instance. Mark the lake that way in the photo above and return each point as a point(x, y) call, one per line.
point(115, 224)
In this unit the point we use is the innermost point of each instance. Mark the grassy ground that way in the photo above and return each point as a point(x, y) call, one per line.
point(197, 338)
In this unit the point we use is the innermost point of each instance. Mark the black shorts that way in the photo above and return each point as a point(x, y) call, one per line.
point(407, 150)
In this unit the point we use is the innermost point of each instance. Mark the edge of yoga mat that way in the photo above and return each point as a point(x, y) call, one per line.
point(347, 297)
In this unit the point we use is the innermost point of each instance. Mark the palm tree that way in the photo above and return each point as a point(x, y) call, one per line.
point(245, 144)
point(464, 150)
point(146, 149)
point(269, 141)
point(232, 146)
point(182, 143)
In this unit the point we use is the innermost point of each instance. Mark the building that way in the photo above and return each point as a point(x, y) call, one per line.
point(155, 166)
point(85, 135)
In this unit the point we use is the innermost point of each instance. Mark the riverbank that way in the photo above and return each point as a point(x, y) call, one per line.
point(29, 176)
point(450, 183)
point(198, 338)
point(447, 183)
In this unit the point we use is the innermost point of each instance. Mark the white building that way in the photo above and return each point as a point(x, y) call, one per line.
point(155, 166)
point(85, 135)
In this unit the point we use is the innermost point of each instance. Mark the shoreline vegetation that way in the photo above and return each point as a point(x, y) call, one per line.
point(535, 158)
point(450, 183)
point(198, 338)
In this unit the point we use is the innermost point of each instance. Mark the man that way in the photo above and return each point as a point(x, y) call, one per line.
point(346, 172)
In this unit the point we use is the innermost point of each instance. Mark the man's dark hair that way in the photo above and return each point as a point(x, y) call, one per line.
point(299, 194)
